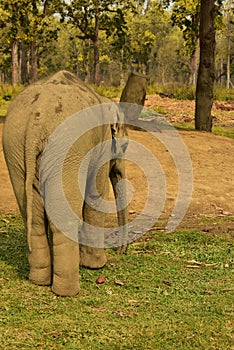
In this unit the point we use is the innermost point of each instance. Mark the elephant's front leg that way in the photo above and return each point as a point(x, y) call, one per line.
point(91, 237)
point(117, 173)
point(92, 254)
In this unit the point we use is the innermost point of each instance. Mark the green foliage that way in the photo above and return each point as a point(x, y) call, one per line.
point(7, 93)
point(83, 14)
point(178, 91)
point(133, 36)
point(186, 15)
point(223, 94)
point(162, 303)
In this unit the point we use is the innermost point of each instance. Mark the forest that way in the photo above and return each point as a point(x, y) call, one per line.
point(102, 41)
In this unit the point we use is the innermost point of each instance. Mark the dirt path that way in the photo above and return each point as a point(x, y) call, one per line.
point(213, 189)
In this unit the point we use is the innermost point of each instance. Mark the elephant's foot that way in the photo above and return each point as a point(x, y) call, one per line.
point(65, 288)
point(40, 276)
point(93, 258)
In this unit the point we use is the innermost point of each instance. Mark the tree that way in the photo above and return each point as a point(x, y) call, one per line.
point(11, 20)
point(93, 16)
point(27, 24)
point(186, 15)
point(206, 71)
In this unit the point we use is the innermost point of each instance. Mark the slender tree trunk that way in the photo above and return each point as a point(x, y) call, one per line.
point(24, 64)
point(87, 61)
point(2, 78)
point(221, 71)
point(34, 67)
point(194, 66)
point(228, 65)
point(228, 50)
point(121, 68)
point(96, 67)
point(206, 71)
point(15, 63)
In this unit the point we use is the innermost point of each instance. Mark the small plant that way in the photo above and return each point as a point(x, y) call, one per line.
point(7, 97)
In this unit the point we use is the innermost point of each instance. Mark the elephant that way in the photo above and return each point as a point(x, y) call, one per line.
point(34, 115)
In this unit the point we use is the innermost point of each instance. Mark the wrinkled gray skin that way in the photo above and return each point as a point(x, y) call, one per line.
point(54, 259)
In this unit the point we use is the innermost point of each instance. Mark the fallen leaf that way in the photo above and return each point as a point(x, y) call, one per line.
point(99, 308)
point(167, 283)
point(55, 335)
point(120, 313)
point(118, 282)
point(198, 263)
point(209, 292)
point(109, 291)
point(133, 301)
point(101, 279)
point(228, 290)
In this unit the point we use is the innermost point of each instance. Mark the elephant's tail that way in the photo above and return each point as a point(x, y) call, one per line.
point(30, 173)
point(31, 153)
point(29, 195)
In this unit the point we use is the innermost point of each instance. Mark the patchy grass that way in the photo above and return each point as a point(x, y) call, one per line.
point(227, 131)
point(162, 304)
point(109, 91)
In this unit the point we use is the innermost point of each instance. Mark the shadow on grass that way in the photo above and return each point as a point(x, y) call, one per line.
point(13, 245)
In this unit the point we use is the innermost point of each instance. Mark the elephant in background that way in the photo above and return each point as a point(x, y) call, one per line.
point(34, 115)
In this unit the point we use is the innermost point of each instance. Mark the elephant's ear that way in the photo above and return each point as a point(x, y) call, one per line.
point(118, 132)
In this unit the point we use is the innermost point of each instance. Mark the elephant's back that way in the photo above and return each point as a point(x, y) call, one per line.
point(37, 111)
point(51, 101)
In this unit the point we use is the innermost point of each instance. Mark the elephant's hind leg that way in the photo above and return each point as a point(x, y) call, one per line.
point(39, 257)
point(65, 264)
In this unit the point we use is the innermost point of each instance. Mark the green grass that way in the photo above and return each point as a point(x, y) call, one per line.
point(227, 131)
point(109, 91)
point(163, 304)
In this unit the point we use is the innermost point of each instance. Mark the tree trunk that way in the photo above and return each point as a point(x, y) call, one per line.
point(24, 64)
point(133, 95)
point(34, 68)
point(228, 65)
point(221, 79)
point(194, 66)
point(86, 54)
point(121, 68)
point(96, 67)
point(206, 71)
point(15, 63)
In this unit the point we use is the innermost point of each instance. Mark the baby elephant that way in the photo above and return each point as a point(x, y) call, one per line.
point(62, 142)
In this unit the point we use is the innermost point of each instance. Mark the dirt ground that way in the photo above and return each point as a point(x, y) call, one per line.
point(212, 203)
